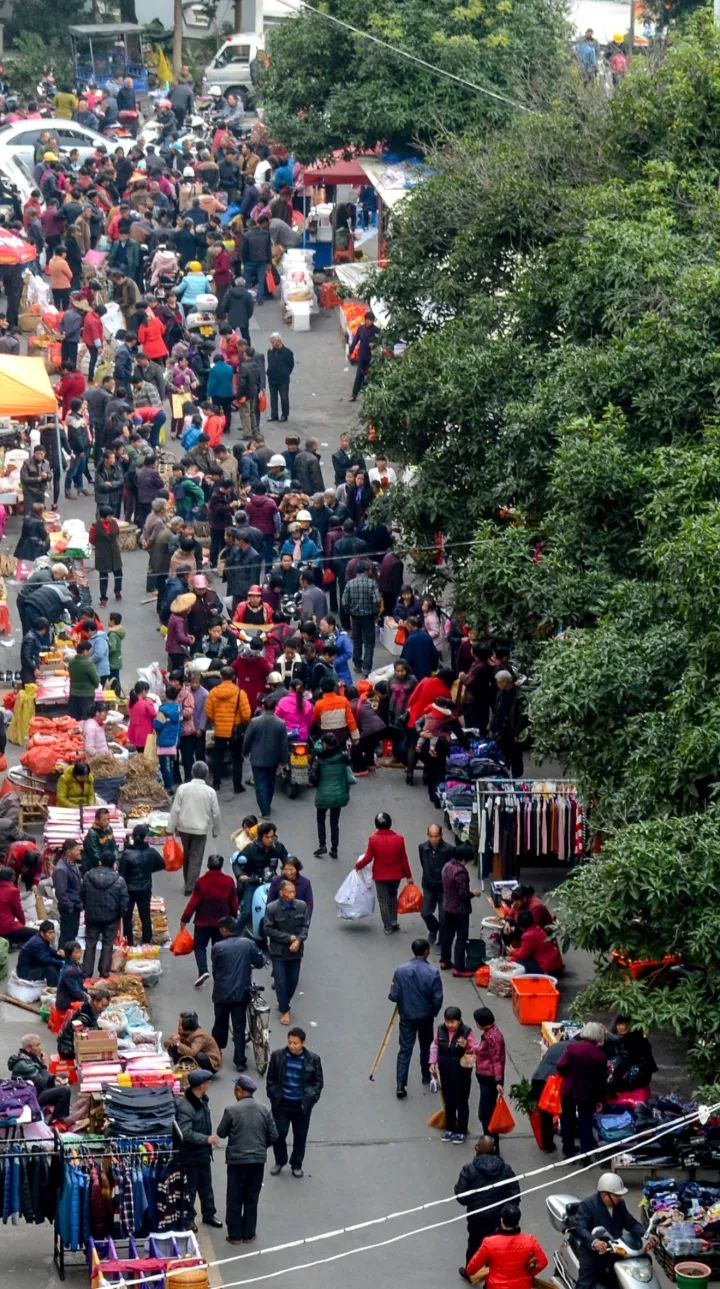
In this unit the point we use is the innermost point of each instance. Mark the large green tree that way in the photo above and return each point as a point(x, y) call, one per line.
point(558, 284)
point(328, 88)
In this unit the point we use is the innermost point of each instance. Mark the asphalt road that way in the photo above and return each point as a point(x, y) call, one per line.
point(369, 1155)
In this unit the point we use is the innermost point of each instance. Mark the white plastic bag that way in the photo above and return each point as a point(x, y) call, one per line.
point(354, 898)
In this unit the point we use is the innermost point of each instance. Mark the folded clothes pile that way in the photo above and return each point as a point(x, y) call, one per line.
point(139, 1112)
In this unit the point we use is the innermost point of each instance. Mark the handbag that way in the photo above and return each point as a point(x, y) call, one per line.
point(238, 729)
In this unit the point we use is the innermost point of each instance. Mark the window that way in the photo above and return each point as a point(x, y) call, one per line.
point(28, 138)
point(233, 54)
point(74, 139)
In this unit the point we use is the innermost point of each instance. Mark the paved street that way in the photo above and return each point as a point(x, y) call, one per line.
point(369, 1154)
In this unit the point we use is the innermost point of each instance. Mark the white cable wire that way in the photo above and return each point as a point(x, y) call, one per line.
point(404, 53)
point(607, 1151)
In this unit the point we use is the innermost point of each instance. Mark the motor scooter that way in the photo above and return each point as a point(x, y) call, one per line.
point(632, 1267)
point(256, 928)
point(296, 774)
point(201, 322)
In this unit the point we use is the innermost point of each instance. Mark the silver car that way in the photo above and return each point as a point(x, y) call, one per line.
point(20, 138)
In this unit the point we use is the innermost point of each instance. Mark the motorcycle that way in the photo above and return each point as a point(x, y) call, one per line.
point(256, 929)
point(202, 322)
point(296, 774)
point(631, 1268)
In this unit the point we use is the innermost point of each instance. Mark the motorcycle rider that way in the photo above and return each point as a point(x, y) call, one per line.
point(605, 1209)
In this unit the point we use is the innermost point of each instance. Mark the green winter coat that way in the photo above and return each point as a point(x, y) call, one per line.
point(115, 636)
point(333, 789)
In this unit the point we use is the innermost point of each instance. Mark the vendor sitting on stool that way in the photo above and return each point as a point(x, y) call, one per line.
point(538, 954)
point(38, 959)
point(29, 1063)
point(632, 1064)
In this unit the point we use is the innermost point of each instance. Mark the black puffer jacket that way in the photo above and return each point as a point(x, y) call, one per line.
point(137, 866)
point(105, 896)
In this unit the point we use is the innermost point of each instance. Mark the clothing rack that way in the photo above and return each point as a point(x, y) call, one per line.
point(521, 820)
point(81, 1166)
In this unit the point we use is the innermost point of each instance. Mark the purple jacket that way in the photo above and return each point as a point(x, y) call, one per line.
point(303, 890)
point(261, 512)
point(149, 484)
point(583, 1066)
point(456, 888)
point(177, 636)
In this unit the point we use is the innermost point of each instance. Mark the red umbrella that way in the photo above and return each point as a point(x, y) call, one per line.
point(14, 250)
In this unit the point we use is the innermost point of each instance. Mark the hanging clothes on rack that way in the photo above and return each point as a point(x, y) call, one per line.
point(527, 820)
point(119, 1188)
point(29, 1182)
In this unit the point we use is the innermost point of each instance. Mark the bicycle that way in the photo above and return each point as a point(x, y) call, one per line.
point(258, 1025)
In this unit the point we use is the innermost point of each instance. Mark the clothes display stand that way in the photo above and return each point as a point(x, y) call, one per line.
point(522, 821)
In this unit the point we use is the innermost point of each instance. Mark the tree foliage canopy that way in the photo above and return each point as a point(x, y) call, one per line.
point(327, 88)
point(558, 283)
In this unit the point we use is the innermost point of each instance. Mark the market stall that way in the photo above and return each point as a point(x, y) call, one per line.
point(25, 393)
point(330, 183)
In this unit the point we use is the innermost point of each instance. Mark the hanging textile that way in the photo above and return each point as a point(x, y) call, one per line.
point(527, 820)
point(119, 1188)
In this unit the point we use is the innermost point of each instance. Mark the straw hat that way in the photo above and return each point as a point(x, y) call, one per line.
point(182, 603)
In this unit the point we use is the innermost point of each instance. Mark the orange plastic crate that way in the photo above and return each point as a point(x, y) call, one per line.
point(534, 1000)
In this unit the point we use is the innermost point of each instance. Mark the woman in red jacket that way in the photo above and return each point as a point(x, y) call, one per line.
point(538, 954)
point(214, 897)
point(513, 1259)
point(93, 335)
point(12, 918)
point(386, 852)
point(151, 334)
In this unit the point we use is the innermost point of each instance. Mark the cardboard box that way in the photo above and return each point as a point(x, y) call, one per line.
point(95, 1045)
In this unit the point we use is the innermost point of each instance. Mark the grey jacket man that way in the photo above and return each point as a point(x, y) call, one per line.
point(250, 1131)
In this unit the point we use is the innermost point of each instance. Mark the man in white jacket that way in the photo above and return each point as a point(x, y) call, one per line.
point(193, 814)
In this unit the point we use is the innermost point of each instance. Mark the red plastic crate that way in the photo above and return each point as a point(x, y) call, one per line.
point(534, 1000)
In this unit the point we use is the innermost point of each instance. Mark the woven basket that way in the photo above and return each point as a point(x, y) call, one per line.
point(28, 322)
point(128, 538)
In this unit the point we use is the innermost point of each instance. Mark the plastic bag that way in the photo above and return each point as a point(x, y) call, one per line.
point(173, 855)
point(410, 899)
point(150, 753)
point(262, 401)
point(354, 899)
point(183, 943)
point(501, 1120)
point(550, 1100)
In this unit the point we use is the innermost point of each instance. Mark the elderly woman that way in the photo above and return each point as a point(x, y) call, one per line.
point(292, 872)
point(584, 1071)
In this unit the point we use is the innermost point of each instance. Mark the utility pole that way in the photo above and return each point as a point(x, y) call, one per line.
point(631, 35)
point(177, 55)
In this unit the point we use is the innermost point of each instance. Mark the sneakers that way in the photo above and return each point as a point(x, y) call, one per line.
point(457, 1138)
point(297, 1172)
point(401, 1093)
point(204, 975)
point(447, 1136)
point(333, 853)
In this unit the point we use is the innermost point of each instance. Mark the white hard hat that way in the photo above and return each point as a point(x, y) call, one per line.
point(275, 678)
point(188, 173)
point(276, 459)
point(216, 91)
point(304, 515)
point(611, 1183)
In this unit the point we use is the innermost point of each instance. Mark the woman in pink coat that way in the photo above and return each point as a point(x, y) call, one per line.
point(296, 710)
point(142, 715)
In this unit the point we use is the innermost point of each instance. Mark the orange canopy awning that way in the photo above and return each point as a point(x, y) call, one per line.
point(25, 388)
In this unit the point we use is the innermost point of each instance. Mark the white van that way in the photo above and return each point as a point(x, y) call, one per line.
point(230, 68)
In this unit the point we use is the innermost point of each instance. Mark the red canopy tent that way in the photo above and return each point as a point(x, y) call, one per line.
point(336, 172)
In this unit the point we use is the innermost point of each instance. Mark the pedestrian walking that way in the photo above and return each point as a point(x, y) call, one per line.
point(250, 1130)
point(105, 900)
point(104, 536)
point(67, 884)
point(434, 854)
point(294, 1084)
point(280, 364)
point(361, 602)
point(266, 744)
point(233, 958)
point(287, 922)
point(197, 1140)
point(457, 906)
point(452, 1061)
point(332, 777)
point(192, 1043)
point(482, 1182)
point(194, 815)
point(227, 711)
point(292, 872)
point(214, 897)
point(418, 993)
point(138, 862)
point(489, 1064)
point(388, 856)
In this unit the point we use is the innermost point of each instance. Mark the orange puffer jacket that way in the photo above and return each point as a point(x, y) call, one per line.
point(227, 706)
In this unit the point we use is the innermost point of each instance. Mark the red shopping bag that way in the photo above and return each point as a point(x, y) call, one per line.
point(271, 285)
point(173, 855)
point(262, 401)
point(183, 943)
point(501, 1120)
point(410, 899)
point(550, 1100)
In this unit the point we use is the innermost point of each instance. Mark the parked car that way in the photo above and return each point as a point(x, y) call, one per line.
point(19, 138)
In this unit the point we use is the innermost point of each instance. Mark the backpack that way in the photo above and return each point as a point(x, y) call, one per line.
point(15, 1095)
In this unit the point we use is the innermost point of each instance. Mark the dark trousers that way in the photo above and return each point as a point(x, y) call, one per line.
point(224, 1014)
point(363, 638)
point(193, 850)
point(139, 900)
point(283, 391)
point(69, 925)
point(25, 933)
point(334, 827)
point(268, 551)
point(59, 1101)
point(488, 1099)
point(387, 902)
point(264, 776)
point(198, 1181)
point(226, 405)
point(362, 753)
point(478, 1226)
point(104, 579)
point(217, 541)
point(105, 933)
point(204, 935)
point(287, 974)
point(49, 973)
point(69, 351)
point(61, 298)
point(254, 273)
point(244, 1183)
point(409, 1030)
point(455, 1086)
point(287, 1115)
point(577, 1116)
point(222, 745)
point(432, 900)
point(454, 927)
point(360, 377)
point(187, 754)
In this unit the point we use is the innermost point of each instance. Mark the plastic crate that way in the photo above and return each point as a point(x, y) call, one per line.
point(534, 1000)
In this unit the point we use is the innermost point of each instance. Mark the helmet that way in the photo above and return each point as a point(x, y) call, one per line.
point(11, 103)
point(188, 173)
point(611, 1183)
point(276, 459)
point(215, 91)
point(274, 678)
point(304, 515)
point(255, 590)
point(194, 266)
point(50, 156)
point(618, 40)
point(164, 103)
